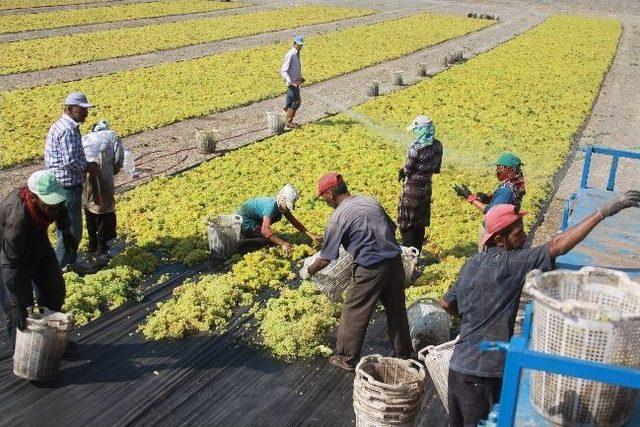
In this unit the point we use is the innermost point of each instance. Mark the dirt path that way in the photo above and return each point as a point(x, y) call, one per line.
point(173, 147)
point(614, 122)
point(70, 6)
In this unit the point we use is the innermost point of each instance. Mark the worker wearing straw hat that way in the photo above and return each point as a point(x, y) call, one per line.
point(27, 259)
point(486, 295)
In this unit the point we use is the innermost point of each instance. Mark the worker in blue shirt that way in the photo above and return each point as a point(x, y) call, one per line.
point(259, 213)
point(486, 295)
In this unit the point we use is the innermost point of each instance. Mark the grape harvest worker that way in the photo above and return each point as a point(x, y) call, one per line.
point(103, 146)
point(27, 259)
point(64, 157)
point(258, 214)
point(291, 72)
point(362, 226)
point(485, 298)
point(424, 159)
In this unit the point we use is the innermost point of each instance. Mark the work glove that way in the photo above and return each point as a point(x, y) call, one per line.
point(462, 190)
point(483, 197)
point(18, 316)
point(401, 174)
point(628, 200)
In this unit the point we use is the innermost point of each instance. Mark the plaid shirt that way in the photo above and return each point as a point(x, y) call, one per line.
point(63, 153)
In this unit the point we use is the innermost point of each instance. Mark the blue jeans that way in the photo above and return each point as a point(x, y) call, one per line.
point(74, 207)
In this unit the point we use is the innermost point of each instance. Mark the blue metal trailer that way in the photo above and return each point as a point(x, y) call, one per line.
point(613, 244)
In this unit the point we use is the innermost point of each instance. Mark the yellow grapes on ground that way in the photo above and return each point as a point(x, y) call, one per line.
point(15, 23)
point(23, 4)
point(494, 102)
point(72, 49)
point(148, 98)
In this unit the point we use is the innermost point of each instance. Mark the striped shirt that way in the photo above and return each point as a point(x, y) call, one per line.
point(362, 226)
point(291, 70)
point(63, 152)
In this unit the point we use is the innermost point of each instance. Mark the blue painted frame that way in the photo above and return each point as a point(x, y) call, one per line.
point(520, 357)
point(615, 156)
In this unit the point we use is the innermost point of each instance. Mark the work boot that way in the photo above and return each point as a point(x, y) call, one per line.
point(343, 362)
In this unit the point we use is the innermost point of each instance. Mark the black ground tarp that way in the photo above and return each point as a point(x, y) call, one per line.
point(116, 378)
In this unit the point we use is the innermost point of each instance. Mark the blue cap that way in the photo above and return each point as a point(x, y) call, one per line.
point(79, 99)
point(299, 40)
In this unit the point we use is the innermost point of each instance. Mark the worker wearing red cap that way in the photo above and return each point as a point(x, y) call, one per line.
point(361, 225)
point(486, 297)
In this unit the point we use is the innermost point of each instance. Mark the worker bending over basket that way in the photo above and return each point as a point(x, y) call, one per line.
point(486, 297)
point(27, 259)
point(362, 226)
point(259, 213)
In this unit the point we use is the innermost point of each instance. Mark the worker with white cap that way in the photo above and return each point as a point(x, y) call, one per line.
point(65, 158)
point(259, 213)
point(291, 72)
point(27, 259)
point(424, 159)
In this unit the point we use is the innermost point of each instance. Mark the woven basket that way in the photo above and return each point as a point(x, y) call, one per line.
point(387, 391)
point(334, 279)
point(436, 359)
point(40, 347)
point(409, 260)
point(593, 314)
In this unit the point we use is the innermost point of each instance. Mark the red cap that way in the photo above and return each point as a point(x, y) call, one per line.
point(498, 218)
point(328, 181)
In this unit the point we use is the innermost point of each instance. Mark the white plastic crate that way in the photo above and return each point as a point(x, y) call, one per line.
point(436, 359)
point(223, 235)
point(593, 314)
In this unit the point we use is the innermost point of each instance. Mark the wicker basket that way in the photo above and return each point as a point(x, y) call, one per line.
point(387, 391)
point(409, 260)
point(593, 314)
point(223, 234)
point(335, 277)
point(436, 359)
point(40, 347)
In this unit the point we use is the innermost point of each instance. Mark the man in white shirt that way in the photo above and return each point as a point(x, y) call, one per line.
point(291, 72)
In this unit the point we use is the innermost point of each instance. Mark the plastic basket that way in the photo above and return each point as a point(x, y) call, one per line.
point(334, 279)
point(436, 359)
point(387, 391)
point(409, 260)
point(223, 234)
point(40, 347)
point(275, 122)
point(593, 314)
point(429, 324)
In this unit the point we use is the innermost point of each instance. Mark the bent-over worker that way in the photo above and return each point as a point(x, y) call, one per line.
point(259, 213)
point(362, 226)
point(27, 259)
point(424, 159)
point(486, 297)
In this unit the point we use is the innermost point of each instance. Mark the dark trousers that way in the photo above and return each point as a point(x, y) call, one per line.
point(43, 277)
point(100, 229)
point(384, 282)
point(74, 208)
point(413, 236)
point(471, 398)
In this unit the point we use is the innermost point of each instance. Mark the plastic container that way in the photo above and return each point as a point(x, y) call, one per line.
point(40, 347)
point(409, 260)
point(387, 391)
point(335, 277)
point(429, 324)
point(373, 89)
point(592, 314)
point(275, 122)
point(436, 359)
point(397, 78)
point(223, 234)
point(129, 164)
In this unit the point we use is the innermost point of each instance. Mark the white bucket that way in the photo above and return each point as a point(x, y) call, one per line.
point(275, 122)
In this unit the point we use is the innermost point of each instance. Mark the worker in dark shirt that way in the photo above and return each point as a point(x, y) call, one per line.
point(486, 297)
point(27, 259)
point(361, 225)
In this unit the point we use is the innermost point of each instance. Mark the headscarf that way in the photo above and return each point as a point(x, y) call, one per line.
point(424, 134)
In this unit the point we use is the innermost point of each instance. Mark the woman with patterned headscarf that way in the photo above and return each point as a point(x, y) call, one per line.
point(424, 158)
